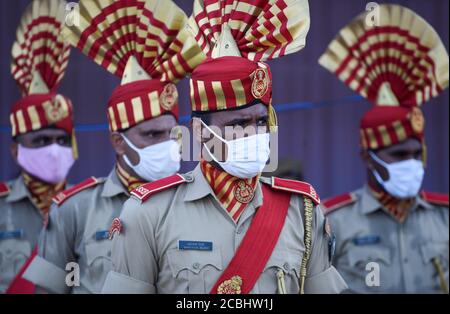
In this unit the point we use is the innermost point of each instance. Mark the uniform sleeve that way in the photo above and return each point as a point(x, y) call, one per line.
point(321, 276)
point(133, 253)
point(56, 249)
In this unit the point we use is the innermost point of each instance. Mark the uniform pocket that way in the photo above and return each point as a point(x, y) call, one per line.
point(286, 261)
point(436, 252)
point(13, 254)
point(98, 259)
point(197, 268)
point(361, 256)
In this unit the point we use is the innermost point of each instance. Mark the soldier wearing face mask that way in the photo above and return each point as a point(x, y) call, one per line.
point(392, 237)
point(44, 143)
point(222, 228)
point(142, 113)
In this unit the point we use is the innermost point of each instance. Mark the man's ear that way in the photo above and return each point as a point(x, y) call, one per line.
point(367, 160)
point(14, 150)
point(117, 143)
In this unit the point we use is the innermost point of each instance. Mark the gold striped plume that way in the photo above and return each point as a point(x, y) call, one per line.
point(151, 31)
point(391, 56)
point(39, 54)
point(255, 30)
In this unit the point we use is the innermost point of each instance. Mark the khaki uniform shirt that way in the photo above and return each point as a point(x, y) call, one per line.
point(78, 232)
point(20, 224)
point(147, 259)
point(404, 252)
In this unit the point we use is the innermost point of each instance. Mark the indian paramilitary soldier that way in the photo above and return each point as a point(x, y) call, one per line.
point(150, 52)
point(222, 229)
point(391, 236)
point(43, 134)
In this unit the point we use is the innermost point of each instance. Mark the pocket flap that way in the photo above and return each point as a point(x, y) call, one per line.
point(193, 260)
point(98, 249)
point(370, 253)
point(432, 250)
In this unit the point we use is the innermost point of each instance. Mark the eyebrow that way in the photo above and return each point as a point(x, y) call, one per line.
point(243, 120)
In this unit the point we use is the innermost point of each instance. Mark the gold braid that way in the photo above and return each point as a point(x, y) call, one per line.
point(307, 239)
point(438, 266)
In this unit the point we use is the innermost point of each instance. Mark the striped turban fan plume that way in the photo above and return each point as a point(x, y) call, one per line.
point(144, 42)
point(237, 38)
point(39, 60)
point(395, 60)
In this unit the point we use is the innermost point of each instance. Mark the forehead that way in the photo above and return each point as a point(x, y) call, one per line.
point(251, 112)
point(164, 122)
point(410, 144)
point(47, 132)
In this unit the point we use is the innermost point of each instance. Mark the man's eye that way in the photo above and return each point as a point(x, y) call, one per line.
point(64, 141)
point(262, 122)
point(41, 141)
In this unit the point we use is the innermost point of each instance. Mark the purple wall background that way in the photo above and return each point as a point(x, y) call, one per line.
point(325, 139)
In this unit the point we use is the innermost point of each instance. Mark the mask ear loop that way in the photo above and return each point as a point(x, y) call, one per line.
point(125, 157)
point(381, 163)
point(219, 137)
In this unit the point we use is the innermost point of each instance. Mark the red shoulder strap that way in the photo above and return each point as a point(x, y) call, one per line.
point(4, 189)
point(20, 285)
point(257, 246)
point(297, 187)
point(63, 196)
point(435, 198)
point(146, 190)
point(337, 202)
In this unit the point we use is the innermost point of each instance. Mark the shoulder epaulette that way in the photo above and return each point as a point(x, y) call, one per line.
point(297, 187)
point(337, 202)
point(63, 196)
point(435, 198)
point(144, 192)
point(4, 189)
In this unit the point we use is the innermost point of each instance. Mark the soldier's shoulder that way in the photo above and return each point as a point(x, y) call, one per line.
point(4, 189)
point(338, 202)
point(149, 190)
point(77, 190)
point(434, 198)
point(292, 186)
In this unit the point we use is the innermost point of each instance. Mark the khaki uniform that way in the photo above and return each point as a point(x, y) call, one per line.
point(404, 252)
point(78, 232)
point(20, 224)
point(147, 259)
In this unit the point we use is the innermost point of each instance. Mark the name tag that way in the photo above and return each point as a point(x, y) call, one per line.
point(102, 235)
point(195, 245)
point(367, 240)
point(14, 234)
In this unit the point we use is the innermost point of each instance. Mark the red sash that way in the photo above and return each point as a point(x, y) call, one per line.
point(257, 246)
point(20, 285)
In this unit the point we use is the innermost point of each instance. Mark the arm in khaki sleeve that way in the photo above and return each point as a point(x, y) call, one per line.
point(133, 253)
point(321, 276)
point(55, 250)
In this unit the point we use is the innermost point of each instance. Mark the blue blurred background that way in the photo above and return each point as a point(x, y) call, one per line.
point(318, 115)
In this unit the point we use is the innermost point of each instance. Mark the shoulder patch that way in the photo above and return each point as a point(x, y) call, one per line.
point(4, 189)
point(337, 202)
point(297, 187)
point(144, 192)
point(63, 196)
point(435, 198)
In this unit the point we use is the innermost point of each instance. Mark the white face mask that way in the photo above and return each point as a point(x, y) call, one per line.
point(405, 177)
point(156, 161)
point(247, 156)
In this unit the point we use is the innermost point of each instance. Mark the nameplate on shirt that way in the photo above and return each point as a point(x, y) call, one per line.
point(13, 234)
point(195, 245)
point(367, 240)
point(102, 235)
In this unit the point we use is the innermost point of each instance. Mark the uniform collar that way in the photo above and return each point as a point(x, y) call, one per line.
point(113, 186)
point(199, 188)
point(369, 203)
point(19, 191)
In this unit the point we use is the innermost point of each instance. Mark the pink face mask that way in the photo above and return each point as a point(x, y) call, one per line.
point(51, 163)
